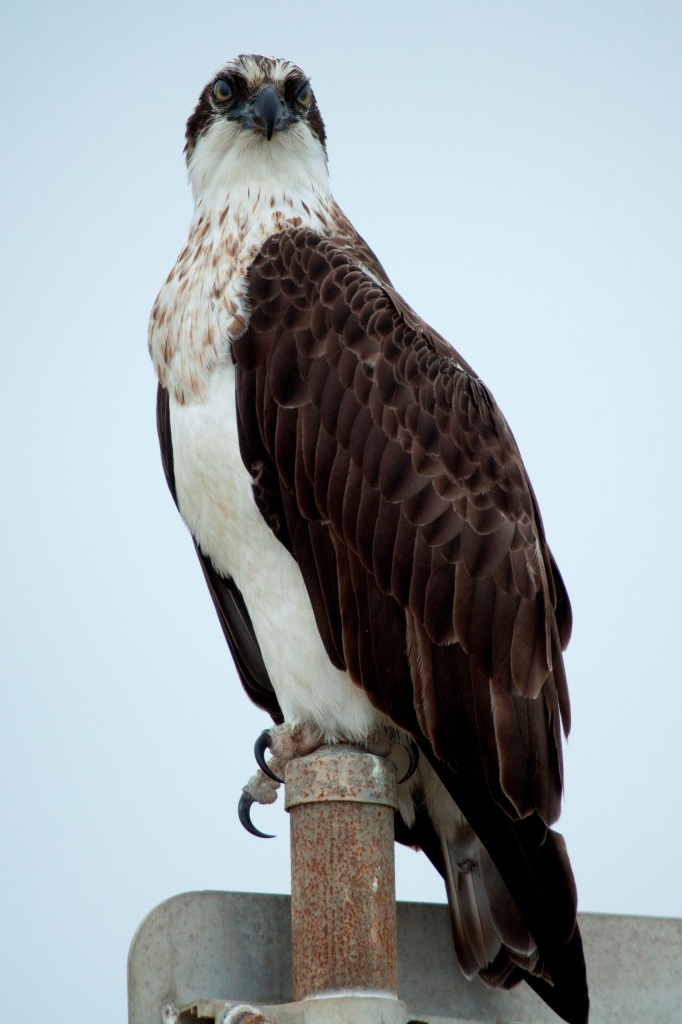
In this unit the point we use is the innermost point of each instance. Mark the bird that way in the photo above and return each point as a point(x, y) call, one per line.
point(365, 524)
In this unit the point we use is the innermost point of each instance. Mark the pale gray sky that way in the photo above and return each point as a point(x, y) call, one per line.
point(516, 167)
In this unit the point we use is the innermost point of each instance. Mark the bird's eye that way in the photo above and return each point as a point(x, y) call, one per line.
point(222, 90)
point(305, 96)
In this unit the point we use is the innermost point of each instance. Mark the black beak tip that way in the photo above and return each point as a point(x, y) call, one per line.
point(267, 109)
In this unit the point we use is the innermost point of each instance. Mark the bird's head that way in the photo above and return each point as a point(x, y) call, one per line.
point(256, 122)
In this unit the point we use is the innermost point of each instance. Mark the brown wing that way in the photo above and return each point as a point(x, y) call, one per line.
point(229, 603)
point(386, 445)
point(408, 508)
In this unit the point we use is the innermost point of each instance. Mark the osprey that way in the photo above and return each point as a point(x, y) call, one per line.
point(365, 524)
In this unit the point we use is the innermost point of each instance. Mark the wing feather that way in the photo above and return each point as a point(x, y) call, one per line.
point(325, 422)
point(407, 505)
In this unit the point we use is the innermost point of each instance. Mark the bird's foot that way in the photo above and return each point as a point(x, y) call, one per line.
point(260, 789)
point(386, 742)
point(287, 742)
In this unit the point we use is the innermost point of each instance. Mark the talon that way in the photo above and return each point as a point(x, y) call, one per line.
point(263, 743)
point(244, 811)
point(413, 752)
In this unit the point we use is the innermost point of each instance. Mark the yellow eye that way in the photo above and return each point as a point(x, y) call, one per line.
point(222, 91)
point(305, 96)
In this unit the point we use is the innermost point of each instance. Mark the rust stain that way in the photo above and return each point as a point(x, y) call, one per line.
point(342, 873)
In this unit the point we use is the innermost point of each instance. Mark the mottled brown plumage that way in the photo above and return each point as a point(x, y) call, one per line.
point(387, 447)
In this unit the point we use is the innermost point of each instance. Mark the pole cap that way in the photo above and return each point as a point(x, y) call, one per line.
point(340, 772)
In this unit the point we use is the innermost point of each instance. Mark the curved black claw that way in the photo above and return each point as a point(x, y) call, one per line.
point(413, 752)
point(244, 811)
point(263, 743)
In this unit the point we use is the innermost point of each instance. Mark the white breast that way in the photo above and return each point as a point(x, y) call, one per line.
point(216, 500)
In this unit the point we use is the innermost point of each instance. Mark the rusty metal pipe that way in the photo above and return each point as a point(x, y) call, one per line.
point(342, 801)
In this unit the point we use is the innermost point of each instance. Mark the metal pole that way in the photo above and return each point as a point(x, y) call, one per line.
point(342, 802)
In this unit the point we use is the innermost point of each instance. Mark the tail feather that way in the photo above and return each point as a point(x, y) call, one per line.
point(489, 934)
point(476, 938)
point(501, 938)
point(501, 973)
point(511, 928)
point(486, 921)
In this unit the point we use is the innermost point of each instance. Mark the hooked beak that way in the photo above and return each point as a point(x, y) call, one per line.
point(267, 111)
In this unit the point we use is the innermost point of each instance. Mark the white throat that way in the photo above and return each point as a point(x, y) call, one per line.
point(245, 189)
point(228, 157)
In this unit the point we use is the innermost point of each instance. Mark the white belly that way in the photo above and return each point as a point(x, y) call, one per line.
point(216, 500)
